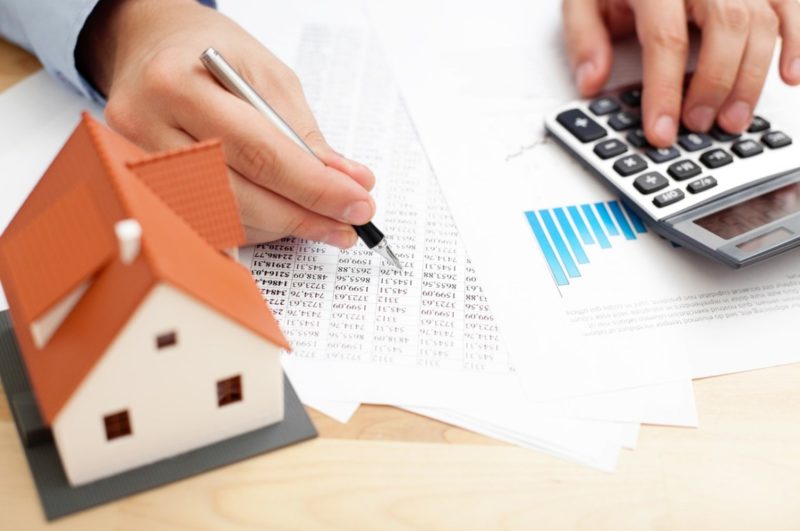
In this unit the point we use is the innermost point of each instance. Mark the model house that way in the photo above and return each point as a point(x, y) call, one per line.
point(142, 337)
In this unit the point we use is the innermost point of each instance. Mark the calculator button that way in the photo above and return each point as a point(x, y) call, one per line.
point(637, 139)
point(606, 149)
point(684, 169)
point(667, 198)
point(723, 136)
point(650, 182)
point(603, 106)
point(701, 185)
point(758, 124)
point(580, 125)
point(632, 97)
point(715, 158)
point(747, 148)
point(776, 139)
point(659, 155)
point(694, 141)
point(624, 120)
point(630, 165)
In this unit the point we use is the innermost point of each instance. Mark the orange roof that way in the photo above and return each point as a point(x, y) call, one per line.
point(92, 184)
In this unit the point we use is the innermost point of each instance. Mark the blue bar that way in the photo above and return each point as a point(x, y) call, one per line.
point(563, 252)
point(604, 215)
point(638, 224)
point(621, 221)
point(547, 250)
point(572, 238)
point(586, 236)
point(596, 228)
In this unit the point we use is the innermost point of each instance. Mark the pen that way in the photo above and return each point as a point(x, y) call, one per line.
point(225, 74)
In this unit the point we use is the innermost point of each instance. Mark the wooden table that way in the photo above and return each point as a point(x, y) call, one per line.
point(388, 469)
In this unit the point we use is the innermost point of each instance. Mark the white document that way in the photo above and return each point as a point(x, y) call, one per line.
point(637, 294)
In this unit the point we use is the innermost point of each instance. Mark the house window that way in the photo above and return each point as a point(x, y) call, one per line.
point(229, 391)
point(166, 340)
point(117, 425)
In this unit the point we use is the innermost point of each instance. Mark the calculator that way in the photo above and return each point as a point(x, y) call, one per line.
point(732, 197)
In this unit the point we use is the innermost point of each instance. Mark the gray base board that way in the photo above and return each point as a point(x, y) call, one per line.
point(60, 499)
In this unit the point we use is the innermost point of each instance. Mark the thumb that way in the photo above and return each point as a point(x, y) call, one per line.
point(357, 171)
point(588, 44)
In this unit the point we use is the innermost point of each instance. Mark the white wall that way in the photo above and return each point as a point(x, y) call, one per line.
point(171, 393)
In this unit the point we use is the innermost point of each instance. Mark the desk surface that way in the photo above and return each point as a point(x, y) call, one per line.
point(388, 469)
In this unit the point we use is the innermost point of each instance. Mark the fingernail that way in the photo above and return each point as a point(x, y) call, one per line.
point(664, 128)
point(701, 117)
point(358, 212)
point(738, 115)
point(794, 69)
point(343, 239)
point(583, 74)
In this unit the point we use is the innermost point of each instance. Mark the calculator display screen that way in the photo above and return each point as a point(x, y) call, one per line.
point(753, 213)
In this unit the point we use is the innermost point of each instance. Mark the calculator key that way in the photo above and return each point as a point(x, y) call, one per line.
point(630, 165)
point(723, 136)
point(715, 158)
point(667, 198)
point(650, 182)
point(637, 139)
point(632, 97)
point(603, 106)
point(701, 185)
point(605, 149)
point(659, 155)
point(758, 125)
point(776, 139)
point(580, 125)
point(694, 141)
point(684, 169)
point(746, 148)
point(624, 120)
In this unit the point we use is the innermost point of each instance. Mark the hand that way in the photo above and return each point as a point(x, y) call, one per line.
point(738, 39)
point(144, 55)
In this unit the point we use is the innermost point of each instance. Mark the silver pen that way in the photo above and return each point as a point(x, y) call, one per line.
point(225, 74)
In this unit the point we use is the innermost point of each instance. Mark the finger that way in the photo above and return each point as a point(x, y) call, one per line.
point(725, 28)
point(789, 13)
point(662, 29)
point(737, 111)
point(588, 44)
point(256, 149)
point(272, 217)
point(360, 173)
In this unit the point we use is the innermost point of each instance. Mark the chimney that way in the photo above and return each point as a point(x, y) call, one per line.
point(129, 236)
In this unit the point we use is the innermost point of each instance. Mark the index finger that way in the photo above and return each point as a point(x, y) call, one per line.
point(662, 29)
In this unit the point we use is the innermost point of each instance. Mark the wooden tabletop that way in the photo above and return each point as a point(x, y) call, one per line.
point(388, 469)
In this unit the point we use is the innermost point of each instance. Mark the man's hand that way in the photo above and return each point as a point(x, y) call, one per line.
point(144, 55)
point(738, 39)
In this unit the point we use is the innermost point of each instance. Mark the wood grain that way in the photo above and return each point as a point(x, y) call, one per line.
point(388, 469)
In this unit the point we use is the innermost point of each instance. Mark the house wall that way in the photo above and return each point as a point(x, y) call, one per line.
point(170, 393)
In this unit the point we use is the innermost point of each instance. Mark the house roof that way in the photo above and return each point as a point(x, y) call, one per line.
point(64, 235)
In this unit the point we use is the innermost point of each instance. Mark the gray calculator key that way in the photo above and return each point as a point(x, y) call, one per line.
point(629, 165)
point(723, 136)
point(684, 169)
point(580, 125)
point(632, 97)
point(758, 125)
point(637, 139)
point(776, 139)
point(605, 149)
point(715, 158)
point(747, 148)
point(667, 198)
point(603, 106)
point(694, 141)
point(650, 182)
point(659, 155)
point(624, 120)
point(701, 185)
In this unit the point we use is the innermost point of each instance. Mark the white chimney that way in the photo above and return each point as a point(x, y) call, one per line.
point(129, 236)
